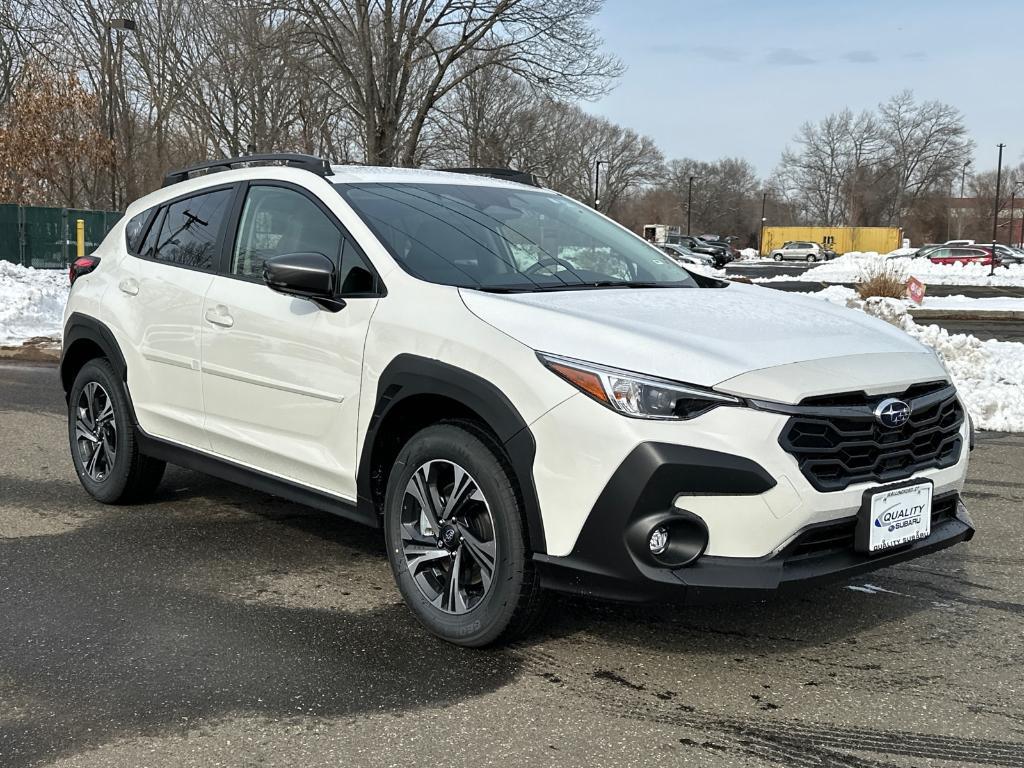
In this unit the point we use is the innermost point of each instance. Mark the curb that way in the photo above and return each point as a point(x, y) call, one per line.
point(1005, 316)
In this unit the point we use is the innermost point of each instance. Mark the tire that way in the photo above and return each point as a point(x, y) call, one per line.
point(811, 257)
point(104, 448)
point(483, 524)
point(777, 257)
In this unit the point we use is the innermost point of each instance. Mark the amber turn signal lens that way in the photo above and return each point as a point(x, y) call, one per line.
point(585, 380)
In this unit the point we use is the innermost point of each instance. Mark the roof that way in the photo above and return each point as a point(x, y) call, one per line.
point(368, 174)
point(342, 174)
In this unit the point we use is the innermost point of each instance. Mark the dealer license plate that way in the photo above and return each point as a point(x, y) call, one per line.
point(895, 515)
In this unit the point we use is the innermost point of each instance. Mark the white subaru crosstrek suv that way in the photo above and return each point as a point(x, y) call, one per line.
point(521, 393)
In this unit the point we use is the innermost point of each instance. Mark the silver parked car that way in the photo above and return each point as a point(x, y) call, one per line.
point(799, 250)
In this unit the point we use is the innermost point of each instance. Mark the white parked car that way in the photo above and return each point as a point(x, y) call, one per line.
point(800, 251)
point(523, 395)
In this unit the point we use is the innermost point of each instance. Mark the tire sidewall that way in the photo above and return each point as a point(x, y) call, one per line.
point(489, 619)
point(113, 485)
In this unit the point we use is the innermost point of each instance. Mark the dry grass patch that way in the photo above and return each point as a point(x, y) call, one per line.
point(882, 277)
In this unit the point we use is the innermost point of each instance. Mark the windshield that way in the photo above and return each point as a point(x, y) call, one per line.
point(506, 239)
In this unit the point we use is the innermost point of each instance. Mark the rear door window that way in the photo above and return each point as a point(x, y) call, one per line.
point(188, 231)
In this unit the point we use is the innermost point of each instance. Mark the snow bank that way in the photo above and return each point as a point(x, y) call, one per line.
point(970, 304)
point(988, 374)
point(848, 267)
point(750, 253)
point(31, 302)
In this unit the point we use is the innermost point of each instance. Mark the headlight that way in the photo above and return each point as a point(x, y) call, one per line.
point(642, 397)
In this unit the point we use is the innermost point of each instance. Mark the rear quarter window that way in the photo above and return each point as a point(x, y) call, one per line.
point(135, 231)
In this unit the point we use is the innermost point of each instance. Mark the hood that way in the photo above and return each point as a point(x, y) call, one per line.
point(697, 335)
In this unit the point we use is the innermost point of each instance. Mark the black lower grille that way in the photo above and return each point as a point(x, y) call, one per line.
point(839, 445)
point(839, 535)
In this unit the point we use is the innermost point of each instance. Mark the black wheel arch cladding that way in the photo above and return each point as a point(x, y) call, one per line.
point(409, 376)
point(82, 330)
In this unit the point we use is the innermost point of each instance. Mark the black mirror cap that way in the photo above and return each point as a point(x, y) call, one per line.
point(308, 275)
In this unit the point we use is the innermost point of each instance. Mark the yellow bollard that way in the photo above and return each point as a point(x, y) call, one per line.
point(80, 237)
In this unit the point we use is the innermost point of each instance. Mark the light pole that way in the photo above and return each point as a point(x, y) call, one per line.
point(689, 201)
point(995, 213)
point(760, 237)
point(597, 183)
point(960, 210)
point(125, 25)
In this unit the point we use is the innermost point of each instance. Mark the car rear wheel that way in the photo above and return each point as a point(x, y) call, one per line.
point(102, 439)
point(456, 537)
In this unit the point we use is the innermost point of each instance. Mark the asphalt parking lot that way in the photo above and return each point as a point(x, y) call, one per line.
point(219, 626)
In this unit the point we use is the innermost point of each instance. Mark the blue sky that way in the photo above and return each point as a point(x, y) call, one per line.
point(737, 77)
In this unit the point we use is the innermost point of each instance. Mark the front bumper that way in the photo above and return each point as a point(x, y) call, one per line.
point(820, 553)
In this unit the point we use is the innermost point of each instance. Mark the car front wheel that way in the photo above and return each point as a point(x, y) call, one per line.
point(811, 257)
point(456, 537)
point(777, 257)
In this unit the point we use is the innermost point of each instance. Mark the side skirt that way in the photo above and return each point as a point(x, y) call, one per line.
point(228, 470)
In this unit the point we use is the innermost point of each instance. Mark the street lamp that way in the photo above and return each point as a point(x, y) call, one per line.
point(960, 209)
point(124, 25)
point(995, 213)
point(597, 183)
point(689, 201)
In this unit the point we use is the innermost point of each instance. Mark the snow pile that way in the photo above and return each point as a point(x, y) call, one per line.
point(749, 253)
point(970, 304)
point(848, 268)
point(989, 375)
point(31, 302)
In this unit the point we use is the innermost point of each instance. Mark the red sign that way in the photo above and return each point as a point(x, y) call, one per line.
point(915, 290)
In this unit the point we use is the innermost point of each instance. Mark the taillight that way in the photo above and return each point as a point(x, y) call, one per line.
point(82, 266)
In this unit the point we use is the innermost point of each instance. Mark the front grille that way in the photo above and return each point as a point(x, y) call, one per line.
point(840, 442)
point(839, 535)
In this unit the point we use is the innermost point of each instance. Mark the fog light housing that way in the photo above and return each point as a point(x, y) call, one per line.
point(658, 540)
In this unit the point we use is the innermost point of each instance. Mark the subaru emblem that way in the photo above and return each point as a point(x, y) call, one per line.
point(892, 413)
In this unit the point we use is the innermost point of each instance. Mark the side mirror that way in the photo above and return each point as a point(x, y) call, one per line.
point(307, 275)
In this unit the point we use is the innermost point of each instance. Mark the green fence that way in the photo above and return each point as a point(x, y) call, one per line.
point(45, 237)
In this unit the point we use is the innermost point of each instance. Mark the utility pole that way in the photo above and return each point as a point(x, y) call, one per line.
point(126, 25)
point(597, 183)
point(760, 237)
point(689, 201)
point(995, 213)
point(960, 210)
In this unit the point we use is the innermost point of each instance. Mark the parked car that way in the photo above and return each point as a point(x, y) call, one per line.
point(684, 255)
point(718, 251)
point(519, 393)
point(1016, 258)
point(731, 251)
point(799, 250)
point(1004, 253)
point(974, 254)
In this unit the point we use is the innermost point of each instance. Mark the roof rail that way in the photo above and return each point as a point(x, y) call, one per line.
point(316, 165)
point(506, 174)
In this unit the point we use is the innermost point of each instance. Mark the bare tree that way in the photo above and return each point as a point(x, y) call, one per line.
point(926, 144)
point(395, 61)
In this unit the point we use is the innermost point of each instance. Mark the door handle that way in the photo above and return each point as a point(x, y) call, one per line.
point(219, 316)
point(130, 286)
